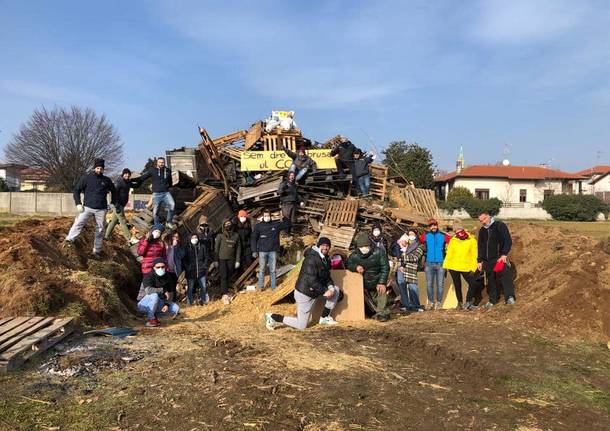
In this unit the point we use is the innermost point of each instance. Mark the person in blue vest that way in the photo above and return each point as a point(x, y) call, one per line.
point(436, 243)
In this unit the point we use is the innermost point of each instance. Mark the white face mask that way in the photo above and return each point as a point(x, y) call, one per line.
point(160, 271)
point(364, 250)
point(412, 237)
point(156, 234)
point(194, 241)
point(243, 219)
point(376, 232)
point(266, 218)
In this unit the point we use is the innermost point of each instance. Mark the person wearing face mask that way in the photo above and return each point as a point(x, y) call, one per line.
point(409, 250)
point(461, 261)
point(206, 237)
point(227, 250)
point(435, 242)
point(175, 255)
point(289, 198)
point(161, 177)
point(196, 261)
point(377, 239)
point(150, 248)
point(314, 283)
point(158, 285)
point(244, 229)
point(265, 244)
point(372, 263)
point(494, 244)
point(302, 164)
point(95, 186)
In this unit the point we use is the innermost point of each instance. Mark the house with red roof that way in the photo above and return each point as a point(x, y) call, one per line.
point(597, 181)
point(515, 186)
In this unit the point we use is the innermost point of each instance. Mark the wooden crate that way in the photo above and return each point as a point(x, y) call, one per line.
point(22, 338)
point(379, 175)
point(340, 237)
point(341, 213)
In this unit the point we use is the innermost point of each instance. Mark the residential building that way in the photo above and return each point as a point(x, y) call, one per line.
point(11, 174)
point(33, 180)
point(597, 181)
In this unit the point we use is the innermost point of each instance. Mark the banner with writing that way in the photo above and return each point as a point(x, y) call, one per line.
point(280, 161)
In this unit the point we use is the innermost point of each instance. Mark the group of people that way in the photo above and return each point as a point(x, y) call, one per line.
point(432, 252)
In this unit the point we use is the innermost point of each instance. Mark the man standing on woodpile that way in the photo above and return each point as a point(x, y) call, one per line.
point(122, 185)
point(436, 243)
point(314, 282)
point(161, 177)
point(360, 172)
point(494, 243)
point(372, 263)
point(301, 162)
point(345, 152)
point(227, 251)
point(95, 186)
point(158, 287)
point(265, 245)
point(289, 197)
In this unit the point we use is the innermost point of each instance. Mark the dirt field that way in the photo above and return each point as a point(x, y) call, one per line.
point(540, 365)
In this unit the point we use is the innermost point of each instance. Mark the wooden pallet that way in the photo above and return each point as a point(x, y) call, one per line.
point(422, 201)
point(341, 213)
point(262, 192)
point(210, 203)
point(22, 338)
point(142, 220)
point(379, 175)
point(340, 237)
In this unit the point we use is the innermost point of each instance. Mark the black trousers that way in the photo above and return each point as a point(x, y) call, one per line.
point(474, 286)
point(289, 210)
point(505, 277)
point(225, 270)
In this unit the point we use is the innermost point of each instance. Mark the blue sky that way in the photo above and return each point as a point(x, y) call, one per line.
point(531, 76)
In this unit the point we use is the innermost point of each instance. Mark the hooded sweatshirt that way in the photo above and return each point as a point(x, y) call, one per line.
point(96, 189)
point(161, 178)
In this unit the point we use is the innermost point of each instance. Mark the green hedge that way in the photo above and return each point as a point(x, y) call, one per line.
point(574, 207)
point(462, 198)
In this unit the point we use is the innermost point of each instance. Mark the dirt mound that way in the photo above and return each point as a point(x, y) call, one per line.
point(563, 281)
point(41, 276)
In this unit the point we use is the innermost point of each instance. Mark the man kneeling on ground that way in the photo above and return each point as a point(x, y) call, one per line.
point(313, 283)
point(159, 288)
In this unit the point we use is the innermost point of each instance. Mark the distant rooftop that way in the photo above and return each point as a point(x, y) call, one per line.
point(509, 172)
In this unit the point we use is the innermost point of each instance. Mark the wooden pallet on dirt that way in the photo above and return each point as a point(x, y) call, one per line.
point(22, 338)
point(341, 213)
point(340, 237)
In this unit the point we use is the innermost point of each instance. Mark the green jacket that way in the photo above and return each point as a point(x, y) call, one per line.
point(227, 246)
point(375, 264)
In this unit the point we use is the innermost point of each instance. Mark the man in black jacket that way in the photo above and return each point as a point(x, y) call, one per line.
point(161, 177)
point(95, 186)
point(265, 244)
point(289, 197)
point(196, 261)
point(158, 285)
point(314, 282)
point(361, 176)
point(122, 185)
point(494, 243)
point(345, 152)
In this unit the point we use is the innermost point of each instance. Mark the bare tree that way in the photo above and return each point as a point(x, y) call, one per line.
point(64, 143)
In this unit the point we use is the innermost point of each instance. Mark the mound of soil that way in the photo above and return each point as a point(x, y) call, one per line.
point(39, 275)
point(563, 281)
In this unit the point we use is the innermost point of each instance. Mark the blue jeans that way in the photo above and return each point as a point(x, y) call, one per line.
point(266, 258)
point(300, 173)
point(364, 184)
point(435, 272)
point(190, 289)
point(152, 304)
point(167, 200)
point(409, 297)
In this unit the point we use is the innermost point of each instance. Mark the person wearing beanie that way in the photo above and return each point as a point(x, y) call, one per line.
point(161, 177)
point(361, 176)
point(314, 283)
point(435, 242)
point(409, 251)
point(159, 287)
point(344, 151)
point(227, 249)
point(461, 261)
point(244, 230)
point(302, 164)
point(95, 186)
point(372, 263)
point(378, 239)
point(123, 184)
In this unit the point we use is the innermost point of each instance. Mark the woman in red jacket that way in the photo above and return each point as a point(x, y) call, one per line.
point(151, 247)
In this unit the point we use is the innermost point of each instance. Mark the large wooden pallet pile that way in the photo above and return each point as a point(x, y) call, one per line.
point(22, 338)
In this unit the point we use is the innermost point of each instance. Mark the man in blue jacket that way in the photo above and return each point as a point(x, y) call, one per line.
point(436, 243)
point(161, 177)
point(265, 244)
point(95, 186)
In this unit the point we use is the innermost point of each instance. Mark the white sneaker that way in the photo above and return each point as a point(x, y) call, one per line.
point(327, 321)
point(226, 299)
point(269, 322)
point(207, 298)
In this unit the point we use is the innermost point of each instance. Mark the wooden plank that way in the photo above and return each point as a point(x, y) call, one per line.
point(32, 321)
point(13, 324)
point(245, 275)
point(5, 319)
point(340, 237)
point(18, 333)
point(36, 343)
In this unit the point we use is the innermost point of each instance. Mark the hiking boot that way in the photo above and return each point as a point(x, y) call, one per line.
point(488, 305)
point(510, 301)
point(327, 321)
point(382, 317)
point(269, 322)
point(97, 255)
point(69, 244)
point(152, 323)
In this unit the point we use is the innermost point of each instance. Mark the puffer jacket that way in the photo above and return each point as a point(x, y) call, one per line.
point(302, 162)
point(151, 250)
point(461, 254)
point(314, 277)
point(375, 264)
